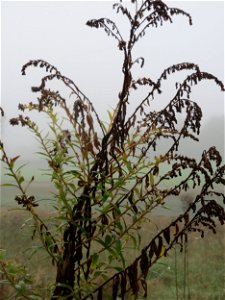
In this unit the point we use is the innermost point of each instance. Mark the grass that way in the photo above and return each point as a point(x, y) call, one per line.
point(203, 278)
point(15, 233)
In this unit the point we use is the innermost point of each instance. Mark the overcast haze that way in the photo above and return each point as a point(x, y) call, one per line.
point(56, 32)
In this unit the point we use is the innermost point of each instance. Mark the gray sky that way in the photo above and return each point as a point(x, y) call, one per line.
point(56, 32)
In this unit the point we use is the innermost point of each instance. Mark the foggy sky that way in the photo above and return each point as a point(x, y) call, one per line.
point(56, 32)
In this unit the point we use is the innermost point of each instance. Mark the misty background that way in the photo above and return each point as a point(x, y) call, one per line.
point(56, 32)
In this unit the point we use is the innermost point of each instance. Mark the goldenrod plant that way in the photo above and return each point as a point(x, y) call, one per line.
point(109, 177)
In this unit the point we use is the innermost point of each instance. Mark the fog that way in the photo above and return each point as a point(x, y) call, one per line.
point(56, 32)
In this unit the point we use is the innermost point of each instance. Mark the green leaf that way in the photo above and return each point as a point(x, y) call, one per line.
point(12, 160)
point(118, 245)
point(110, 115)
point(42, 153)
point(97, 274)
point(72, 186)
point(9, 174)
point(114, 254)
point(29, 183)
point(105, 196)
point(105, 243)
point(74, 173)
point(129, 166)
point(11, 269)
point(105, 277)
point(21, 179)
point(21, 287)
point(118, 269)
point(20, 167)
point(105, 209)
point(95, 259)
point(119, 225)
point(119, 250)
point(108, 240)
point(8, 184)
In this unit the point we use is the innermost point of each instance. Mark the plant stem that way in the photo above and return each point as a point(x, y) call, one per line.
point(176, 279)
